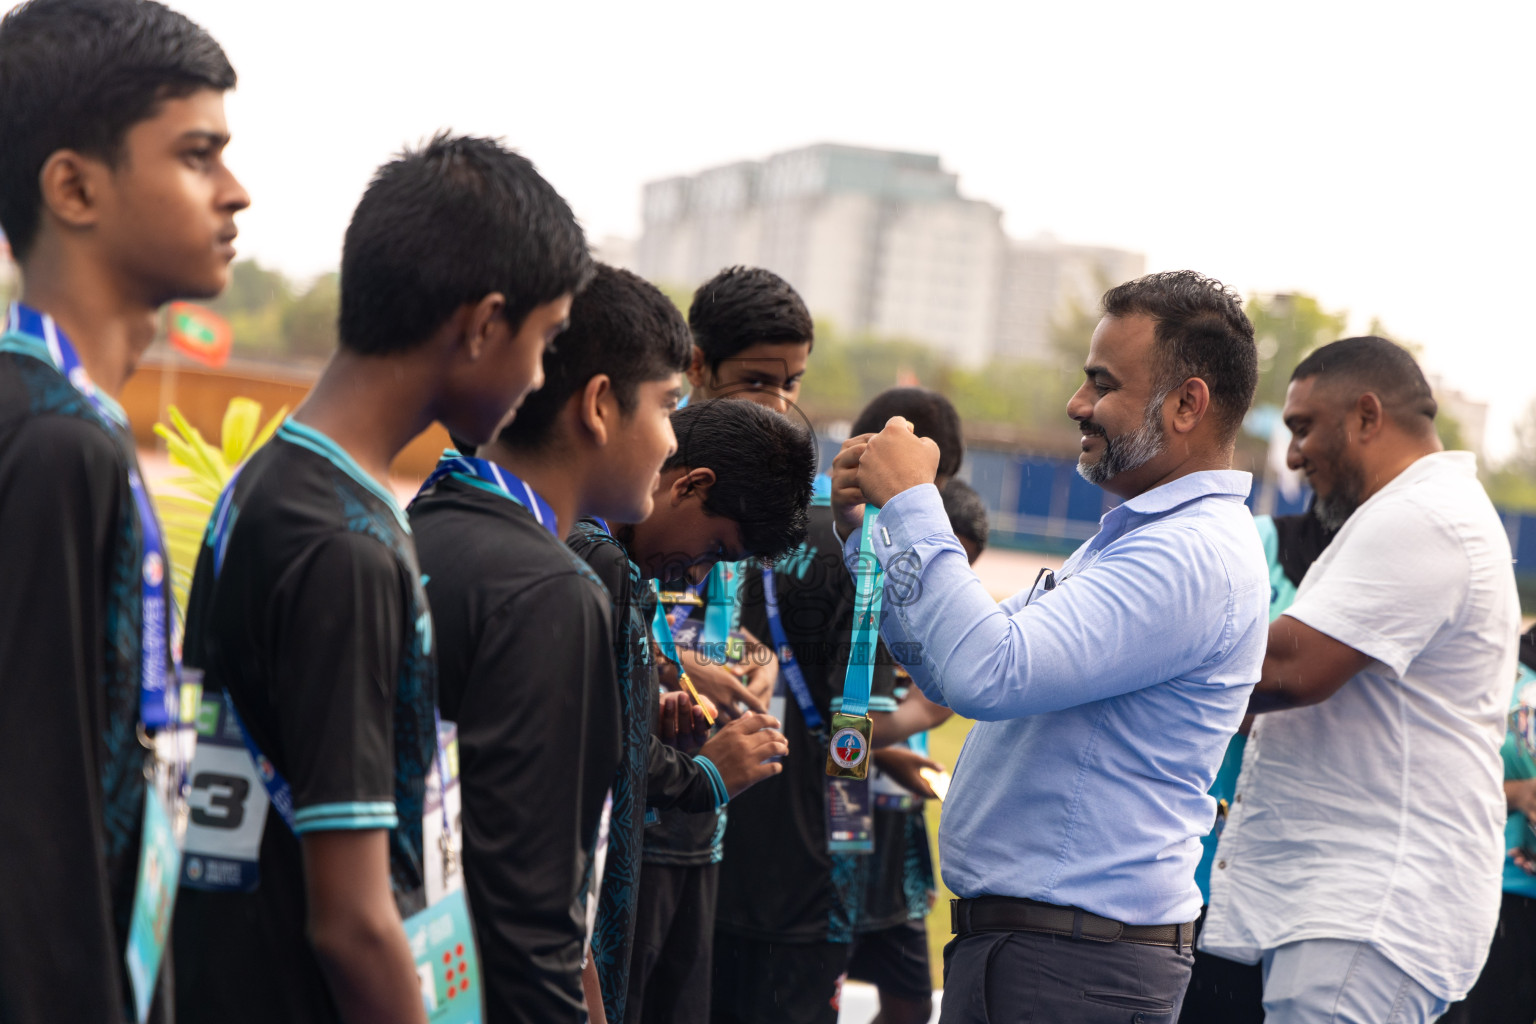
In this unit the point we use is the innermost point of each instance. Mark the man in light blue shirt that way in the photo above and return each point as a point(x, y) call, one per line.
point(1104, 695)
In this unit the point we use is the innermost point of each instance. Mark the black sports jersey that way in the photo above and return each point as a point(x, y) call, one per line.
point(778, 881)
point(613, 931)
point(526, 663)
point(681, 837)
point(72, 799)
point(307, 608)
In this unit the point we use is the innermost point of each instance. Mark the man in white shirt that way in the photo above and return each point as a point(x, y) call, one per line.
point(1361, 858)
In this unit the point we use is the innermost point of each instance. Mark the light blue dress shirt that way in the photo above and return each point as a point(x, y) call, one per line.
point(1103, 706)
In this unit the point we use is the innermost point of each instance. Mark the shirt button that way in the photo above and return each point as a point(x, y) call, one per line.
point(1221, 864)
point(1238, 799)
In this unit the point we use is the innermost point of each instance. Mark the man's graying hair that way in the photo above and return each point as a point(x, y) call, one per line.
point(1201, 331)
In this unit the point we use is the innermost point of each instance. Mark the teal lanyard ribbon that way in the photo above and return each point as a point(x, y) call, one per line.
point(663, 630)
point(722, 611)
point(868, 582)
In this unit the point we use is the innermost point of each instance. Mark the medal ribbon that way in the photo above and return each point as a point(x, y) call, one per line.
point(787, 663)
point(488, 476)
point(159, 704)
point(868, 588)
point(722, 612)
point(663, 630)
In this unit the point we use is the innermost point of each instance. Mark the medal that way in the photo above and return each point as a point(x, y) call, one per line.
point(848, 753)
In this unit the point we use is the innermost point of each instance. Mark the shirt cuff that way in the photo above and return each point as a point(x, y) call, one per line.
point(915, 514)
point(716, 782)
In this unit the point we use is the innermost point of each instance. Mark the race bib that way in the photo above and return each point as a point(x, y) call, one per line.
point(850, 816)
point(441, 937)
point(228, 807)
point(154, 897)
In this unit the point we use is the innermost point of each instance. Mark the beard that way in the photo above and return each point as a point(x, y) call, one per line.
point(1128, 451)
point(1340, 503)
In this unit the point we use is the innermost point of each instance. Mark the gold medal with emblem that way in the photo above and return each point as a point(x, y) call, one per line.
point(848, 752)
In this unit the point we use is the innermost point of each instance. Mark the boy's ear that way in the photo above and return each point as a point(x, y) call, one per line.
point(599, 408)
point(485, 317)
point(694, 483)
point(696, 368)
point(70, 184)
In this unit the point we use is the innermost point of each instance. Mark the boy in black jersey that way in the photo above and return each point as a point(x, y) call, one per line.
point(789, 900)
point(890, 946)
point(528, 655)
point(115, 199)
point(737, 487)
point(307, 611)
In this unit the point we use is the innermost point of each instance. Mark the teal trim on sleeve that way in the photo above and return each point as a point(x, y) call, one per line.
point(352, 816)
point(722, 797)
point(311, 439)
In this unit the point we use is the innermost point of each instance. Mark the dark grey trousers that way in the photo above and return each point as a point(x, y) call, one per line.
point(1034, 978)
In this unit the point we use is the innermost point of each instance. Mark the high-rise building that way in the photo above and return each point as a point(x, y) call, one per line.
point(876, 241)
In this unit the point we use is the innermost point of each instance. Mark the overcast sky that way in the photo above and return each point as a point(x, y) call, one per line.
point(1379, 156)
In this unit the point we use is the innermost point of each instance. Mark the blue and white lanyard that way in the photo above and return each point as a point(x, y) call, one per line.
point(787, 663)
point(869, 589)
point(485, 474)
point(159, 705)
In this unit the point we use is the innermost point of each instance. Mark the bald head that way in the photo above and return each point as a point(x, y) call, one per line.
point(1347, 369)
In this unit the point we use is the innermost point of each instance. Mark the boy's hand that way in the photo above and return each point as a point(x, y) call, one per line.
point(741, 751)
point(719, 684)
point(760, 669)
point(902, 764)
point(895, 460)
point(847, 496)
point(682, 723)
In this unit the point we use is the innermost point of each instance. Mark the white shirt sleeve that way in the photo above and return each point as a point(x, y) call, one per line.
point(1387, 584)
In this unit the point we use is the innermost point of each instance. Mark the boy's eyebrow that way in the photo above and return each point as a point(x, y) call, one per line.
point(206, 135)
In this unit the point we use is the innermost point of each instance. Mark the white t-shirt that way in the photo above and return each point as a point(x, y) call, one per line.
point(1378, 815)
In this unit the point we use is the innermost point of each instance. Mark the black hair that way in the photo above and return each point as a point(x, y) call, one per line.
point(621, 325)
point(1381, 367)
point(78, 74)
point(1201, 331)
point(745, 306)
point(764, 465)
point(967, 512)
point(931, 414)
point(446, 225)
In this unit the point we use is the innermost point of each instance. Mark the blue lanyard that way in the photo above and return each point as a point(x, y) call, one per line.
point(488, 476)
point(159, 704)
point(869, 588)
point(787, 663)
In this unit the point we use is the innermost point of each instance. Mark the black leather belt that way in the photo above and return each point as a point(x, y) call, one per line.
point(1007, 914)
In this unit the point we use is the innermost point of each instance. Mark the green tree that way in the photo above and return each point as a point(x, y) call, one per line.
point(1513, 485)
point(1287, 327)
point(309, 322)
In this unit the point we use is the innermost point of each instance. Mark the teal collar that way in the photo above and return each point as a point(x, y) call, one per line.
point(308, 437)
